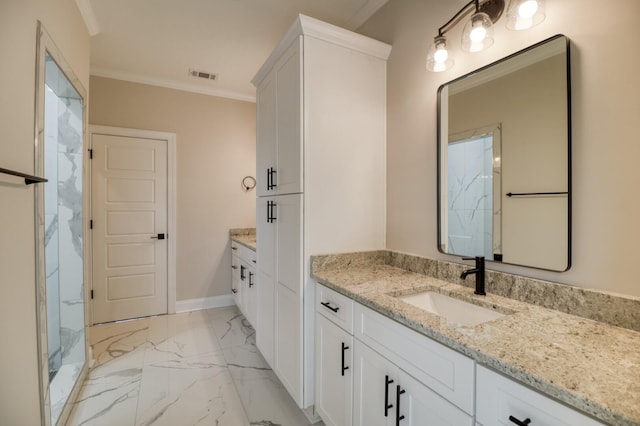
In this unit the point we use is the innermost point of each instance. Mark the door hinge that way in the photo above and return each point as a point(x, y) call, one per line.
point(90, 154)
point(92, 294)
point(91, 224)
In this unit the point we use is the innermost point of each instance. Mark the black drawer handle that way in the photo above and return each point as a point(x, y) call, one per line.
point(234, 248)
point(328, 306)
point(242, 274)
point(251, 274)
point(524, 422)
point(234, 267)
point(234, 290)
point(344, 367)
point(387, 382)
point(398, 416)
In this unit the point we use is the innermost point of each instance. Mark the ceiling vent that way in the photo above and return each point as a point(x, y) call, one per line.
point(202, 74)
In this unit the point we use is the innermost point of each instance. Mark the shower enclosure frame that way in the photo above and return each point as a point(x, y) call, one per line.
point(46, 46)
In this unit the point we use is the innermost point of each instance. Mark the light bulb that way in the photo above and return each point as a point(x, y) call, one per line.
point(478, 34)
point(528, 9)
point(441, 54)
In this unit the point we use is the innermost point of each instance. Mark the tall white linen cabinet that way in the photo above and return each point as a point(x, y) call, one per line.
point(321, 179)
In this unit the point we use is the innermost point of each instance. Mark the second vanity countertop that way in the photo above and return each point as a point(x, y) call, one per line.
point(589, 365)
point(244, 236)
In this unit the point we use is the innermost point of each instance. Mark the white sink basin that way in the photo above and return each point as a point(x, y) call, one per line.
point(453, 310)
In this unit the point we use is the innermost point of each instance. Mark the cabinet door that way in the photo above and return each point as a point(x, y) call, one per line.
point(266, 148)
point(288, 342)
point(252, 297)
point(242, 288)
point(421, 406)
point(374, 392)
point(334, 373)
point(266, 246)
point(288, 219)
point(235, 279)
point(288, 69)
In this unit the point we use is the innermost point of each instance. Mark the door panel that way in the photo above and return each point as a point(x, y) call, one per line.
point(370, 373)
point(289, 341)
point(289, 121)
point(289, 241)
point(129, 209)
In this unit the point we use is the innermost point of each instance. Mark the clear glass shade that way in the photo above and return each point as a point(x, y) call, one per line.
point(478, 33)
point(524, 14)
point(439, 58)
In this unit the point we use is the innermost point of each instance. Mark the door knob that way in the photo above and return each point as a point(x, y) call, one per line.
point(158, 237)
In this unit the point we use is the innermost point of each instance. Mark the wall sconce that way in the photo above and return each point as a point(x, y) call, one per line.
point(478, 31)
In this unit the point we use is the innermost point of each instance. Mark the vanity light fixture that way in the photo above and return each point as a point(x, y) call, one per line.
point(478, 31)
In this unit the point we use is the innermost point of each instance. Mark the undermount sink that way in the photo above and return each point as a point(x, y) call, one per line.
point(453, 310)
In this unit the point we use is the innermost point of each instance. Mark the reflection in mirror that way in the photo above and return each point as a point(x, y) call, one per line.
point(504, 160)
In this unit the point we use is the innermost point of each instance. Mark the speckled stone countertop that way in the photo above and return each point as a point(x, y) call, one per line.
point(589, 365)
point(244, 236)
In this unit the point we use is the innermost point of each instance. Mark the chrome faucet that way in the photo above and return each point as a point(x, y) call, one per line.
point(479, 273)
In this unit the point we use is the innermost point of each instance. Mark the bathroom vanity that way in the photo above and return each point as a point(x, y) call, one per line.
point(375, 349)
point(243, 272)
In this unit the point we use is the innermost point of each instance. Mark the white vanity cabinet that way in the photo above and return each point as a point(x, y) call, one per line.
point(334, 357)
point(501, 401)
point(372, 371)
point(384, 394)
point(404, 378)
point(321, 155)
point(243, 281)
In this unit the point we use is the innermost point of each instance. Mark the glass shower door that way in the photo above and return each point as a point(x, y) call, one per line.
point(60, 227)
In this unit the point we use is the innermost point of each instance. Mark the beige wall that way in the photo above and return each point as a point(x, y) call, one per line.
point(215, 150)
point(605, 108)
point(19, 393)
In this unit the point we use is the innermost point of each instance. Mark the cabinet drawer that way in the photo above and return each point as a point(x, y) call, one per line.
point(444, 370)
point(335, 306)
point(498, 397)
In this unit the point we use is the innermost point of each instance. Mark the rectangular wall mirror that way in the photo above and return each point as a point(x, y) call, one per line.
point(504, 160)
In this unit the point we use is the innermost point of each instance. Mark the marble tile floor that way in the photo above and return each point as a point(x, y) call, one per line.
point(195, 368)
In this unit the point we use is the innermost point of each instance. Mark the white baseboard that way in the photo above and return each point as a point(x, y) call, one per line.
point(204, 303)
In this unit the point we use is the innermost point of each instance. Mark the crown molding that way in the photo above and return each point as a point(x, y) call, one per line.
point(169, 84)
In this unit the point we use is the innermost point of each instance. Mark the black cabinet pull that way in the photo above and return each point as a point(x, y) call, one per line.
point(234, 267)
point(398, 393)
point(234, 248)
point(271, 217)
point(242, 274)
point(234, 291)
point(524, 422)
point(250, 279)
point(344, 367)
point(328, 306)
point(271, 173)
point(387, 382)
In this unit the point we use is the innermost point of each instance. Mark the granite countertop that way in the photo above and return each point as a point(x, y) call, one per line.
point(244, 236)
point(591, 366)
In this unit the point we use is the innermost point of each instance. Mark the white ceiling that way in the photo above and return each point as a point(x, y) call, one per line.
point(158, 41)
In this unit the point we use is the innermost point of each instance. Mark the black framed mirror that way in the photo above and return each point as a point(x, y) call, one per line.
point(504, 160)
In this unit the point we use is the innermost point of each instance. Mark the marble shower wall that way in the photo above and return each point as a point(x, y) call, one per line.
point(469, 197)
point(63, 230)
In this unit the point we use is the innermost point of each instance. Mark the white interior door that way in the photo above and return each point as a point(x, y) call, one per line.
point(129, 213)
